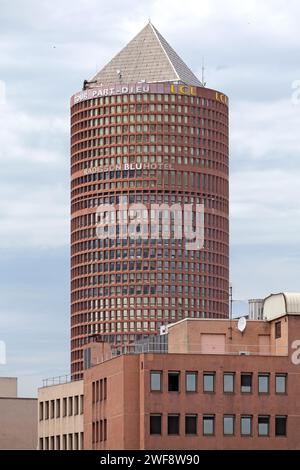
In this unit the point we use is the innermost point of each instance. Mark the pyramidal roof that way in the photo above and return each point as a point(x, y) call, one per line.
point(147, 57)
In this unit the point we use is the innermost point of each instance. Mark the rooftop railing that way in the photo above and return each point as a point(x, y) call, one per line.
point(181, 348)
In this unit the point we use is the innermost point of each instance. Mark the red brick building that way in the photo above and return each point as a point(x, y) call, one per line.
point(146, 129)
point(216, 388)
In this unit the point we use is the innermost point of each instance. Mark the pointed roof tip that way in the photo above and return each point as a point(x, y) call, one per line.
point(147, 57)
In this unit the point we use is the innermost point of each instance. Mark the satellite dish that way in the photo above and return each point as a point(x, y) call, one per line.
point(242, 323)
point(163, 330)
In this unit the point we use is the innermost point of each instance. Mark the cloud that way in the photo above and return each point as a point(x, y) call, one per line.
point(265, 131)
point(33, 217)
point(34, 178)
point(28, 138)
point(265, 208)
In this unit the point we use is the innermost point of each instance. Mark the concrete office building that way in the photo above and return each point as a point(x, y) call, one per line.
point(145, 130)
point(60, 425)
point(18, 418)
point(216, 388)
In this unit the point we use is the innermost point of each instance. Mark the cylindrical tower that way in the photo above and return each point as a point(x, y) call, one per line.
point(149, 132)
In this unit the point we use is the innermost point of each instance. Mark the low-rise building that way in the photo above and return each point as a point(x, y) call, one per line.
point(18, 418)
point(60, 425)
point(217, 387)
point(204, 384)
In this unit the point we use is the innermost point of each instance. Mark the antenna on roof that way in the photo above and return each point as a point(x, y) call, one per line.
point(203, 72)
point(119, 73)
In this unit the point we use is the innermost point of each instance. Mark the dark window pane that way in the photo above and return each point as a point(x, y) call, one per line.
point(263, 383)
point(191, 381)
point(228, 425)
point(173, 424)
point(280, 425)
point(263, 425)
point(155, 424)
point(209, 382)
point(208, 425)
point(155, 381)
point(246, 383)
point(173, 381)
point(278, 329)
point(246, 425)
point(191, 424)
point(228, 383)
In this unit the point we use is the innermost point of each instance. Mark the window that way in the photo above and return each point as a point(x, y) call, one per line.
point(246, 383)
point(70, 406)
point(105, 388)
point(58, 408)
point(155, 424)
point(173, 381)
point(191, 425)
point(263, 383)
point(155, 379)
point(46, 410)
point(228, 425)
point(280, 383)
point(105, 430)
point(76, 441)
point(246, 425)
point(191, 381)
point(94, 392)
point(209, 382)
point(263, 425)
point(52, 407)
point(101, 430)
point(64, 406)
point(41, 413)
point(41, 446)
point(278, 329)
point(173, 425)
point(280, 425)
point(208, 425)
point(87, 354)
point(228, 382)
point(76, 405)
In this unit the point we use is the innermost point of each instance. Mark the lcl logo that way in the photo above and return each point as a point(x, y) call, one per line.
point(221, 98)
point(183, 90)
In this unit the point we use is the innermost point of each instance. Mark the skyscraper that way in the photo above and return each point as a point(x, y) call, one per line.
point(145, 130)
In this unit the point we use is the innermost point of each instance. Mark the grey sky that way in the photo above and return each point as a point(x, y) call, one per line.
point(47, 49)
